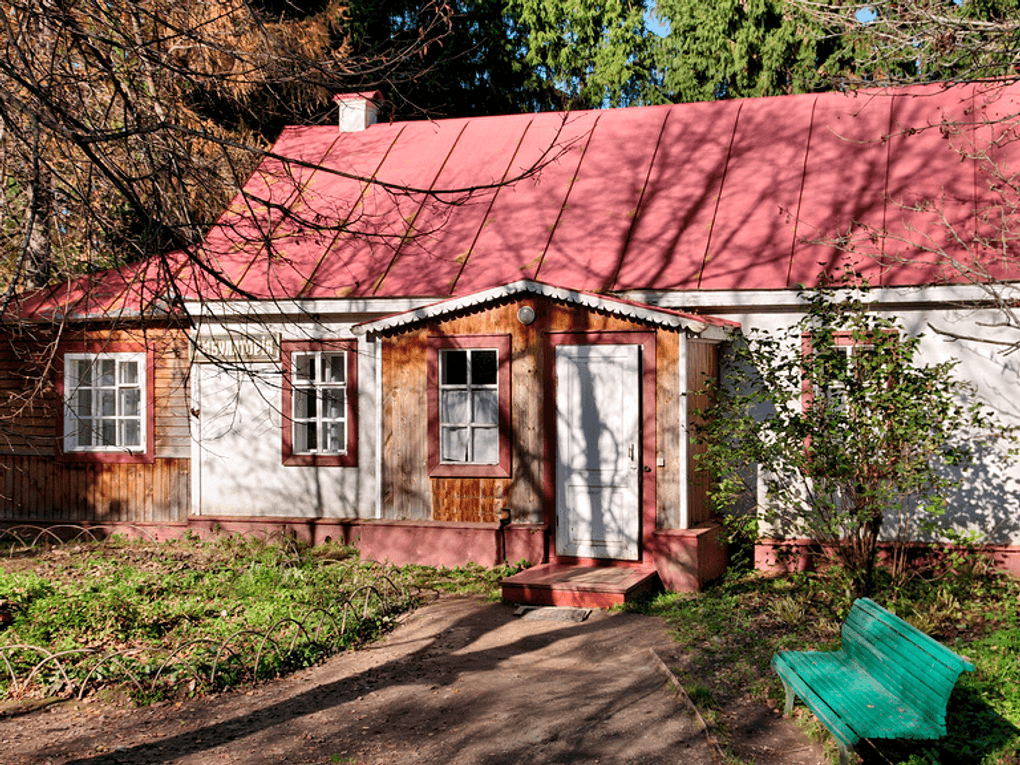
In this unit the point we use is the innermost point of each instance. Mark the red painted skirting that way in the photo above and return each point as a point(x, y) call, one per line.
point(687, 559)
point(780, 556)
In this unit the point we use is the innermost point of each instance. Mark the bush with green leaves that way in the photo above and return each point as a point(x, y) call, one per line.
point(845, 428)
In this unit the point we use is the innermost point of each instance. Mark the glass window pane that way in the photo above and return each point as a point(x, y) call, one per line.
point(483, 368)
point(454, 367)
point(131, 433)
point(304, 367)
point(453, 444)
point(108, 432)
point(130, 402)
point(486, 407)
point(334, 401)
point(453, 407)
point(107, 373)
point(108, 403)
point(334, 368)
point(105, 402)
point(305, 404)
point(335, 437)
point(304, 436)
point(485, 445)
point(129, 373)
point(84, 370)
point(83, 433)
point(84, 403)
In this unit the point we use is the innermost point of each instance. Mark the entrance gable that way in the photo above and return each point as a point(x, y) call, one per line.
point(522, 332)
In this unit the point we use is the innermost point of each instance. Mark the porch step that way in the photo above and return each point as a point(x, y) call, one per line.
point(580, 586)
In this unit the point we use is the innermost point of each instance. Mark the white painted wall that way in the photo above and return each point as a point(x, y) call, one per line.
point(237, 467)
point(989, 500)
point(237, 464)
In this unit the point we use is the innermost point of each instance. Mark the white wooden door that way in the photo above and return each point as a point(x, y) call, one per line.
point(598, 451)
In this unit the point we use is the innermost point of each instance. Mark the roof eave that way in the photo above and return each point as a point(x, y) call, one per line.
point(709, 328)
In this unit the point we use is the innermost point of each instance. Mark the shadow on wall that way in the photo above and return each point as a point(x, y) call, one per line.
point(983, 509)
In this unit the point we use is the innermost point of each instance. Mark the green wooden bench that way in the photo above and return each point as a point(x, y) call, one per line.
point(890, 680)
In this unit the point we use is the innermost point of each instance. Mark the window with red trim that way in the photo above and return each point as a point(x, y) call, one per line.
point(846, 356)
point(469, 405)
point(319, 403)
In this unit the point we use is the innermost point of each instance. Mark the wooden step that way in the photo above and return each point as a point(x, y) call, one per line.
point(581, 586)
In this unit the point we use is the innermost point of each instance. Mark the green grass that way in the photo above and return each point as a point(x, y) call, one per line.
point(141, 601)
point(229, 611)
point(730, 631)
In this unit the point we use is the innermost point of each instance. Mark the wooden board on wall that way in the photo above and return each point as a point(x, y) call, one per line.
point(406, 489)
point(172, 402)
point(702, 367)
point(43, 489)
point(667, 404)
point(38, 486)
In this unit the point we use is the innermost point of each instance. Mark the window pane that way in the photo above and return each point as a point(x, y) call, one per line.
point(131, 433)
point(453, 443)
point(483, 368)
point(335, 437)
point(108, 432)
point(108, 403)
point(334, 401)
point(486, 445)
point(454, 407)
point(486, 407)
point(304, 436)
point(130, 402)
point(304, 368)
point(84, 403)
point(304, 404)
point(454, 367)
point(107, 373)
point(83, 433)
point(84, 370)
point(334, 368)
point(129, 373)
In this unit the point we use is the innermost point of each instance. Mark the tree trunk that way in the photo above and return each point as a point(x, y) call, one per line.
point(38, 246)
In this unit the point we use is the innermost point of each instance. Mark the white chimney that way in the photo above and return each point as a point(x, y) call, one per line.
point(357, 110)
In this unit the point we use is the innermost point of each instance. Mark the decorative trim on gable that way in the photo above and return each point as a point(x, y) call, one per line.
point(708, 327)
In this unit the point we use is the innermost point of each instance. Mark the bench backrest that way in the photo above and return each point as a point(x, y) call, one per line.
point(907, 662)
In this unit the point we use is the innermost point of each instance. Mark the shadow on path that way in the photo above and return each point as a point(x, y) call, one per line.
point(461, 681)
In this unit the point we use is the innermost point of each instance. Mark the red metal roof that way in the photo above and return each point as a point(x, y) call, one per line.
point(729, 195)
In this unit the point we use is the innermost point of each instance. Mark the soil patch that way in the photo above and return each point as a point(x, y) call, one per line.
point(459, 681)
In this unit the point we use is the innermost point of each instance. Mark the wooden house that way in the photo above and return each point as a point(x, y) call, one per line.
point(481, 339)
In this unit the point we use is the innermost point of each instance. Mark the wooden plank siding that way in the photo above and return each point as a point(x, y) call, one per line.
point(702, 367)
point(39, 486)
point(408, 491)
point(667, 404)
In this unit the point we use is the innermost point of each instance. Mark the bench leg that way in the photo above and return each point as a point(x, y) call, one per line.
point(844, 753)
point(790, 696)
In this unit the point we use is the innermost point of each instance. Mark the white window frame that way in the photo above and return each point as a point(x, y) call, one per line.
point(470, 388)
point(73, 390)
point(298, 386)
point(851, 349)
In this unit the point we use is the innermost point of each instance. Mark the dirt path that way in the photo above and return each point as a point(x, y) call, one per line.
point(460, 681)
